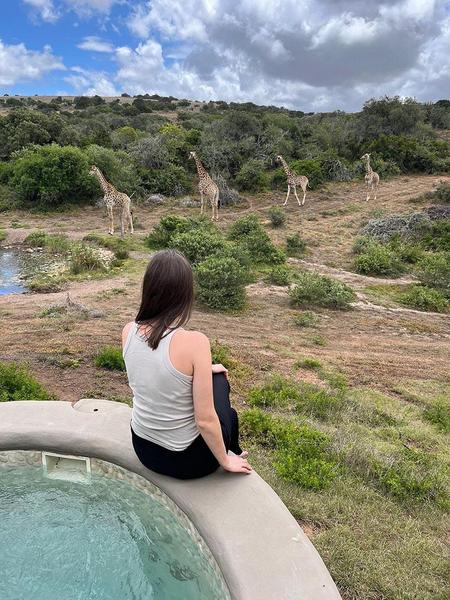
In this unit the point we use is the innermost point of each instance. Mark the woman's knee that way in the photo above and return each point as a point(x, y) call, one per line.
point(220, 383)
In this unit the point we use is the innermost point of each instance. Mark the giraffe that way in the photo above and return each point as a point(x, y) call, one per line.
point(293, 181)
point(114, 198)
point(372, 178)
point(206, 187)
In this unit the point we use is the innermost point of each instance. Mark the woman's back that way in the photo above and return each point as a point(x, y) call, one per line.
point(163, 410)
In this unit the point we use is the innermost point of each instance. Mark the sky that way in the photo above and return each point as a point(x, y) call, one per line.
point(311, 55)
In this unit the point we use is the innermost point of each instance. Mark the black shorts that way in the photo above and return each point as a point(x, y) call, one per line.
point(196, 460)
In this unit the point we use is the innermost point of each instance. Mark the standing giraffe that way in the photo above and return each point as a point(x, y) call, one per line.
point(207, 188)
point(372, 178)
point(293, 181)
point(114, 198)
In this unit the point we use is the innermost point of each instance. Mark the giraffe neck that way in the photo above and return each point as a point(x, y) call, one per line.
point(368, 167)
point(202, 173)
point(285, 167)
point(103, 182)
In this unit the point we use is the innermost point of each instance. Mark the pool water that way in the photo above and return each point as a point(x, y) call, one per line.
point(12, 266)
point(104, 540)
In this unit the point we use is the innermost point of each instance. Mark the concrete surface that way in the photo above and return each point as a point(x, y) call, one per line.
point(259, 547)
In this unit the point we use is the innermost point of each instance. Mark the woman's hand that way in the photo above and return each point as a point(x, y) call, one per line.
point(220, 369)
point(236, 464)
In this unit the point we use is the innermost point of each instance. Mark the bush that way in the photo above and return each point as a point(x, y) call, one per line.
point(165, 231)
point(110, 357)
point(251, 177)
point(442, 192)
point(277, 216)
point(54, 243)
point(378, 259)
point(280, 275)
point(172, 180)
point(87, 258)
point(306, 319)
point(301, 453)
point(220, 283)
point(3, 235)
point(423, 298)
point(244, 227)
point(295, 246)
point(197, 245)
point(434, 270)
point(319, 290)
point(16, 383)
point(50, 176)
point(438, 413)
point(305, 398)
point(438, 238)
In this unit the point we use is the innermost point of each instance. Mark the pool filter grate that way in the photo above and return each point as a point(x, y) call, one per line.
point(66, 467)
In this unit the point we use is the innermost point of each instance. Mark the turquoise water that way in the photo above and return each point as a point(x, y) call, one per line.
point(104, 540)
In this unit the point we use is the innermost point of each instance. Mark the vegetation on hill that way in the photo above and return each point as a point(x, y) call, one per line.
point(142, 144)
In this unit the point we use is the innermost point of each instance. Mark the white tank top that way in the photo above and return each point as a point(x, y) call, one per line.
point(163, 407)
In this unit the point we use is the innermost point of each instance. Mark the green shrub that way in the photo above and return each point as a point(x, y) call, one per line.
point(362, 244)
point(171, 180)
point(45, 284)
point(253, 238)
point(280, 275)
point(198, 245)
point(434, 270)
point(410, 476)
point(49, 176)
point(295, 246)
point(438, 238)
point(424, 298)
point(110, 357)
point(305, 398)
point(300, 453)
point(87, 258)
point(165, 230)
point(438, 413)
point(277, 216)
point(3, 235)
point(54, 243)
point(309, 363)
point(262, 250)
point(252, 177)
point(307, 318)
point(443, 191)
point(244, 227)
point(319, 290)
point(220, 283)
point(378, 259)
point(16, 383)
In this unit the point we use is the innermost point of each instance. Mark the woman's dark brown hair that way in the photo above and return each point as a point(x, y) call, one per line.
point(167, 295)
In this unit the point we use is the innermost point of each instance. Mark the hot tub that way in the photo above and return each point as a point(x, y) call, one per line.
point(103, 533)
point(233, 522)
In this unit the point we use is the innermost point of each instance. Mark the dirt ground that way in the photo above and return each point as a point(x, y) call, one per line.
point(374, 345)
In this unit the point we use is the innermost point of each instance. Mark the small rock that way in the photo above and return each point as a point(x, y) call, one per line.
point(155, 199)
point(96, 314)
point(188, 202)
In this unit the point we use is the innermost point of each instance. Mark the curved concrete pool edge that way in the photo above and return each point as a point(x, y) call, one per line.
point(261, 550)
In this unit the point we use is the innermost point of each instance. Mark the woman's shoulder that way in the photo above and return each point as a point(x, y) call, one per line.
point(196, 337)
point(126, 331)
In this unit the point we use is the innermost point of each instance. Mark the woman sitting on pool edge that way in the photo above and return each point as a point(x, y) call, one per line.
point(182, 422)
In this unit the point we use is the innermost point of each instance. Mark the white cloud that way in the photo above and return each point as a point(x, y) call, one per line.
point(90, 83)
point(18, 64)
point(95, 44)
point(88, 7)
point(45, 9)
point(307, 54)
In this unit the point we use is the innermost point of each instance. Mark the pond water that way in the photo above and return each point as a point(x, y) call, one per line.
point(105, 540)
point(13, 266)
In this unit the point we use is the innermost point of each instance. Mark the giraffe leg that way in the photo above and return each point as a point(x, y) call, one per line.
point(130, 221)
point(201, 203)
point(298, 199)
point(304, 195)
point(375, 191)
point(368, 192)
point(111, 220)
point(216, 205)
point(287, 195)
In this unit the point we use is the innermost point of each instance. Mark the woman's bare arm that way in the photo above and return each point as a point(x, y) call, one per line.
point(205, 413)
